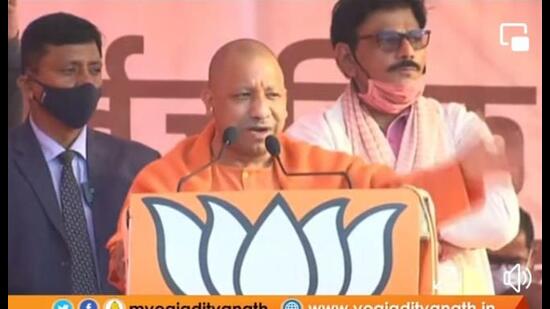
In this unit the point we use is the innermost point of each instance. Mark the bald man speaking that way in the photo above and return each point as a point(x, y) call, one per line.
point(246, 97)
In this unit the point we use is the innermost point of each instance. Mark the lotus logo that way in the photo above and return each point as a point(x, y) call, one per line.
point(278, 254)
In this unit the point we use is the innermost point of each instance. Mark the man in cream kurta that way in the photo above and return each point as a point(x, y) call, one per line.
point(383, 118)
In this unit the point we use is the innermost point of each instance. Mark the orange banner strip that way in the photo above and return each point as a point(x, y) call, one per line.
point(266, 302)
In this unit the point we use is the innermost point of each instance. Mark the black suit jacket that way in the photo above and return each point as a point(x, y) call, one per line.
point(38, 255)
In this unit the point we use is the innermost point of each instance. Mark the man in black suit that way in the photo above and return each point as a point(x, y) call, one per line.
point(66, 182)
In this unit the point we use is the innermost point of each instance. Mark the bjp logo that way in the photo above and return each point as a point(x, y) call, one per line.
point(277, 254)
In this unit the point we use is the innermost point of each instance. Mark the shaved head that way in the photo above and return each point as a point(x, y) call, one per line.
point(234, 51)
point(246, 89)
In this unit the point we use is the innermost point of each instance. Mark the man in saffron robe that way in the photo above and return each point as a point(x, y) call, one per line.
point(246, 90)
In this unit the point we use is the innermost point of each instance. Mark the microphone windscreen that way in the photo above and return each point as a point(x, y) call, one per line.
point(230, 135)
point(272, 145)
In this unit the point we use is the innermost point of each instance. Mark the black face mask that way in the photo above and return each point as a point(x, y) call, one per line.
point(72, 106)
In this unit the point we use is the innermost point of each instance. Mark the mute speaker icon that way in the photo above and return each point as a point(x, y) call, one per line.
point(517, 277)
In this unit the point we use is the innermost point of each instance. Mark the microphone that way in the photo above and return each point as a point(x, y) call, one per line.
point(229, 137)
point(88, 190)
point(274, 148)
point(89, 193)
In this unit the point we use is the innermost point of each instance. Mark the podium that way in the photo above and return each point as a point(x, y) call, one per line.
point(303, 242)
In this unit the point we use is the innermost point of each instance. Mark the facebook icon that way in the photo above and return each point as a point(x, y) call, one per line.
point(88, 304)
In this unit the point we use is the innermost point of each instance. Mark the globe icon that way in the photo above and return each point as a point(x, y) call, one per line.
point(292, 304)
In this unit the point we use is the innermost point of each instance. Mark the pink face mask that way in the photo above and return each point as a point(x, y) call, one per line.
point(392, 98)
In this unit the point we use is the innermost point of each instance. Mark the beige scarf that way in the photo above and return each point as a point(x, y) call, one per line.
point(423, 143)
point(422, 146)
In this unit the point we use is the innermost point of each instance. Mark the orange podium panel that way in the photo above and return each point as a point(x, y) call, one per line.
point(303, 242)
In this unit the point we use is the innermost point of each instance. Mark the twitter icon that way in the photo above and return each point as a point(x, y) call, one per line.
point(62, 304)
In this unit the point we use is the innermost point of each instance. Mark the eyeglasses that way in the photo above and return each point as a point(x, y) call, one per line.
point(390, 41)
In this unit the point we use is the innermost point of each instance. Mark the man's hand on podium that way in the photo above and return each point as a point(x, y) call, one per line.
point(117, 266)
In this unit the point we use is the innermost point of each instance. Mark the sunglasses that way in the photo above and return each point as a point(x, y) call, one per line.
point(390, 41)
